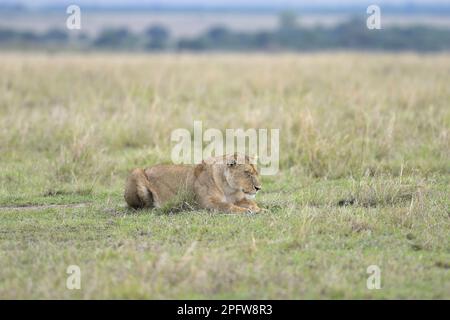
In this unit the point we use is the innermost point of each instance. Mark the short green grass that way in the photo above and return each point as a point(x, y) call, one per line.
point(364, 179)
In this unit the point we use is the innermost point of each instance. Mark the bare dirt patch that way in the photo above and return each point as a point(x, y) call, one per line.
point(44, 206)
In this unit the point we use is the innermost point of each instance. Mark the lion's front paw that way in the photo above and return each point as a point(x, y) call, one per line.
point(255, 209)
point(236, 209)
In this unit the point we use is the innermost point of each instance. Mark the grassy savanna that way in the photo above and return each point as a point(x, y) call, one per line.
point(364, 176)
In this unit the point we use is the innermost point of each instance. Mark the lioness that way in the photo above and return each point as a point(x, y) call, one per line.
point(227, 184)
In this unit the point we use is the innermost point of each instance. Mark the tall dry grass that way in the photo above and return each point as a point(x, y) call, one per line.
point(80, 119)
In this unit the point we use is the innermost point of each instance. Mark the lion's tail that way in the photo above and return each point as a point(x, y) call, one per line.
point(138, 192)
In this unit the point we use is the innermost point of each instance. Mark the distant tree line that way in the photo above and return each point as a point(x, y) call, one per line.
point(352, 34)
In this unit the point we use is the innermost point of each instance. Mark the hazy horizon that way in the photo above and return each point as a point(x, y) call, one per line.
point(226, 3)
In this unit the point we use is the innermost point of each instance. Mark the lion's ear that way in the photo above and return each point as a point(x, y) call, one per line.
point(231, 162)
point(253, 159)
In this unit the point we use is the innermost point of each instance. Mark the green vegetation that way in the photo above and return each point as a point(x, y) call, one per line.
point(288, 36)
point(364, 180)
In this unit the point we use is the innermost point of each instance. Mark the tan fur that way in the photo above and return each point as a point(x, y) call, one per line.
point(224, 184)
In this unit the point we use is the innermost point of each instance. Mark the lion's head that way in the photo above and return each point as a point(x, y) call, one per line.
point(242, 174)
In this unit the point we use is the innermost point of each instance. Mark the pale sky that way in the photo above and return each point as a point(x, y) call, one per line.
point(211, 3)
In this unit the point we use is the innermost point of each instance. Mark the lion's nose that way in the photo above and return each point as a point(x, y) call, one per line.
point(257, 188)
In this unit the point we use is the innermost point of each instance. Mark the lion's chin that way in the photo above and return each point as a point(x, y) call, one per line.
point(249, 196)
